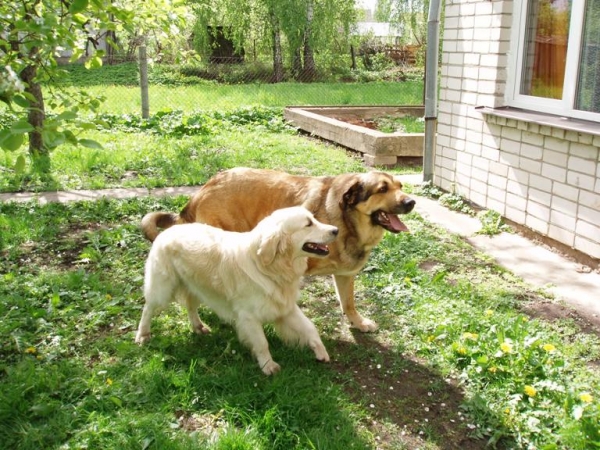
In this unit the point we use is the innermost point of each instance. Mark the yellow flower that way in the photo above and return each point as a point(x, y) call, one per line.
point(109, 381)
point(530, 391)
point(489, 312)
point(506, 347)
point(430, 338)
point(472, 336)
point(586, 397)
point(30, 350)
point(461, 350)
point(549, 348)
point(493, 369)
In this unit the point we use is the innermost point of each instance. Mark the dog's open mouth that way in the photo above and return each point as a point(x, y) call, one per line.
point(390, 222)
point(316, 249)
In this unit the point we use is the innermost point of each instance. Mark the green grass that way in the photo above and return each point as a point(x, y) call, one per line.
point(462, 359)
point(450, 367)
point(127, 99)
point(174, 150)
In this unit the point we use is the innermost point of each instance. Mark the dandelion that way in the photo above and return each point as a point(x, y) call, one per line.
point(506, 347)
point(530, 391)
point(493, 369)
point(470, 336)
point(461, 350)
point(586, 397)
point(549, 348)
point(489, 312)
point(31, 350)
point(109, 381)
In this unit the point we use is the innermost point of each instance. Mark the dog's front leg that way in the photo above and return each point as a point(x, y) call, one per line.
point(296, 328)
point(251, 333)
point(344, 288)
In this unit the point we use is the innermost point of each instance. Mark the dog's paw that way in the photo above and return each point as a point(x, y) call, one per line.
point(142, 338)
point(271, 367)
point(320, 352)
point(322, 357)
point(201, 329)
point(363, 324)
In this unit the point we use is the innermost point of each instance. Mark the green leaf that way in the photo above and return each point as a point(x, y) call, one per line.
point(77, 53)
point(81, 19)
point(93, 63)
point(89, 143)
point(20, 165)
point(78, 6)
point(10, 141)
point(116, 400)
point(70, 137)
point(67, 115)
point(88, 126)
point(21, 126)
point(21, 101)
point(53, 138)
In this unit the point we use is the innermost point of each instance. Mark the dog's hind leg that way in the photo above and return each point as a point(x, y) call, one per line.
point(250, 332)
point(344, 288)
point(143, 333)
point(192, 304)
point(296, 328)
point(158, 291)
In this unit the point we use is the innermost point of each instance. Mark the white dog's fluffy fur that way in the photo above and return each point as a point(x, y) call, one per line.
point(247, 279)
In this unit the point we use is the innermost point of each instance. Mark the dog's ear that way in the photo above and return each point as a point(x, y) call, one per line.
point(353, 196)
point(270, 244)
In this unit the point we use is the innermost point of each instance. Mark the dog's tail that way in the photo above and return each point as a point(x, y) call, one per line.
point(155, 220)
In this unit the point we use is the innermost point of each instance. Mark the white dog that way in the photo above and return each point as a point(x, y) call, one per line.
point(247, 279)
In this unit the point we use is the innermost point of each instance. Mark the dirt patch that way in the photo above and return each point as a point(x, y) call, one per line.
point(409, 404)
point(551, 312)
point(366, 123)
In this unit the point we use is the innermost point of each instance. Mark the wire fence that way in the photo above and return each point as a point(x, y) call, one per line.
point(144, 87)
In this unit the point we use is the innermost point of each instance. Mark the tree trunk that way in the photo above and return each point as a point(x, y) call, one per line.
point(277, 53)
point(310, 69)
point(36, 116)
point(297, 64)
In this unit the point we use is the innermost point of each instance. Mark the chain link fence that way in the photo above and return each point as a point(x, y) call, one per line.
point(136, 83)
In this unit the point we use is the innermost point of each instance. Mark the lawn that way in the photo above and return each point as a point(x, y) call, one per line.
point(461, 359)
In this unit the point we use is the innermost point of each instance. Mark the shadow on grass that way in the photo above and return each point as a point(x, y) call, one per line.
point(409, 403)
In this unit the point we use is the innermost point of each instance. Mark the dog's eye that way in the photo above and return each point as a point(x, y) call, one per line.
point(309, 224)
point(383, 189)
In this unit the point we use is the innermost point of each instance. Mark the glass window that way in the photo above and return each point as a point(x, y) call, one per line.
point(588, 88)
point(545, 56)
point(556, 65)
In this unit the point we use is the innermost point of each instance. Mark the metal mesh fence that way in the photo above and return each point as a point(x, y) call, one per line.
point(142, 86)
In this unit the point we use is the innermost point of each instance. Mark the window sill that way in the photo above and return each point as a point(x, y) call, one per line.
point(549, 120)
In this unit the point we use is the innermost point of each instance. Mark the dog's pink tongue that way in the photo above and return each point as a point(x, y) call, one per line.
point(396, 224)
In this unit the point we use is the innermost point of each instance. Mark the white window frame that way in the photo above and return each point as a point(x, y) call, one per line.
point(566, 106)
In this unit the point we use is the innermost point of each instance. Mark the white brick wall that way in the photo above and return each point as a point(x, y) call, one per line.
point(543, 177)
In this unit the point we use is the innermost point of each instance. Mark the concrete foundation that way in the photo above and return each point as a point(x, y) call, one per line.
point(378, 148)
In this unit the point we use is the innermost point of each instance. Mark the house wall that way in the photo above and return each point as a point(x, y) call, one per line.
point(543, 177)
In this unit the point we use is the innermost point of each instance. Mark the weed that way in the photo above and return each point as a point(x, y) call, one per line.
point(491, 223)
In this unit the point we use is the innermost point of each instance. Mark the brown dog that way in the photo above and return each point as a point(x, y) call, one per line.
point(360, 205)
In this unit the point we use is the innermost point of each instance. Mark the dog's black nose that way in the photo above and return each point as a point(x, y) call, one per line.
point(408, 204)
point(335, 231)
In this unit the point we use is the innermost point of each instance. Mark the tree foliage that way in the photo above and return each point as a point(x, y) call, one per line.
point(33, 34)
point(290, 31)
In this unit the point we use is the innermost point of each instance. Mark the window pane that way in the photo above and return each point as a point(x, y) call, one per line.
point(588, 88)
point(545, 55)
